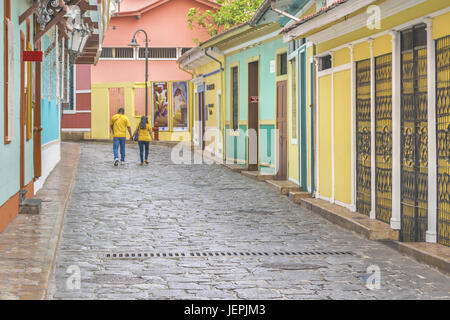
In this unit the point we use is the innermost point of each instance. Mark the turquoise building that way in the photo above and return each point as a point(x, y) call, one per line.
point(33, 92)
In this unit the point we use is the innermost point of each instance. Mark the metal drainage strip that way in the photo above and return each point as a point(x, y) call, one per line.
point(222, 254)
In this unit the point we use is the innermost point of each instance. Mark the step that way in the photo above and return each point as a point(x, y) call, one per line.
point(297, 196)
point(30, 206)
point(256, 175)
point(433, 254)
point(235, 167)
point(359, 223)
point(283, 186)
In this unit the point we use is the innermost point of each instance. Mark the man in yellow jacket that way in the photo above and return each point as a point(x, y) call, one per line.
point(119, 124)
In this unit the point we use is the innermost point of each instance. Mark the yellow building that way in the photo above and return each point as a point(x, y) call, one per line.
point(208, 116)
point(108, 97)
point(381, 131)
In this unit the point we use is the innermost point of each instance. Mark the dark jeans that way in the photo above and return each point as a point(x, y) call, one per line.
point(143, 144)
point(116, 143)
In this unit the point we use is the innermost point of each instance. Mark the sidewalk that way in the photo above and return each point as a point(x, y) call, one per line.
point(28, 245)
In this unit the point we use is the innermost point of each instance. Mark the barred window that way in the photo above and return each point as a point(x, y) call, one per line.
point(159, 53)
point(107, 53)
point(325, 63)
point(163, 53)
point(184, 50)
point(124, 53)
point(282, 64)
point(117, 53)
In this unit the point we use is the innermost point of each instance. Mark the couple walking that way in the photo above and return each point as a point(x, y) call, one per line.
point(119, 126)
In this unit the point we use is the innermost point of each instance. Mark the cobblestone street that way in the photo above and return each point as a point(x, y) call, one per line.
point(172, 209)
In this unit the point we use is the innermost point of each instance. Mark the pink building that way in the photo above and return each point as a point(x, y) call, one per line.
point(118, 78)
point(76, 120)
point(165, 21)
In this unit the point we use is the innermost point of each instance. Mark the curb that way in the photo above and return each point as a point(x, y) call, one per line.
point(45, 282)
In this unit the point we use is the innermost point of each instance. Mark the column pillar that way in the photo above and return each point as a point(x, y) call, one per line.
point(396, 131)
point(353, 130)
point(431, 234)
point(333, 178)
point(372, 133)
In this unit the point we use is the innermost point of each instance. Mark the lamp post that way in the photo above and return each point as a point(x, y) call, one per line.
point(134, 44)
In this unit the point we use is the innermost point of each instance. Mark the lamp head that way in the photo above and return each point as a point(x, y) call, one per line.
point(134, 43)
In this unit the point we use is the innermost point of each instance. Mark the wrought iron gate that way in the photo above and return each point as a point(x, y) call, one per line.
point(363, 145)
point(443, 138)
point(414, 166)
point(383, 142)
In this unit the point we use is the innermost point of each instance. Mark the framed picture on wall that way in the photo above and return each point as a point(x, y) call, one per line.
point(180, 106)
point(161, 105)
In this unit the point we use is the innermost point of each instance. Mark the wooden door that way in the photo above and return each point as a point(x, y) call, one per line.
point(282, 129)
point(253, 116)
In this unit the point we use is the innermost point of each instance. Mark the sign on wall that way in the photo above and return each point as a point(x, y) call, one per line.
point(32, 56)
point(180, 106)
point(161, 105)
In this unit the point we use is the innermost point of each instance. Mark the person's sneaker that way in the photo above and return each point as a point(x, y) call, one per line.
point(146, 161)
point(116, 162)
point(122, 163)
point(142, 163)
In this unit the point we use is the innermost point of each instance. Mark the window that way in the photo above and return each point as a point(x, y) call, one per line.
point(235, 97)
point(124, 53)
point(159, 53)
point(70, 106)
point(117, 53)
point(282, 64)
point(325, 62)
point(294, 98)
point(8, 73)
point(184, 50)
point(107, 53)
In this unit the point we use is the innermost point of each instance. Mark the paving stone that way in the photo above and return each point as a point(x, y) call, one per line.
point(166, 208)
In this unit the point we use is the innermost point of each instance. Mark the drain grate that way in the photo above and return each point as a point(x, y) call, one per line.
point(146, 255)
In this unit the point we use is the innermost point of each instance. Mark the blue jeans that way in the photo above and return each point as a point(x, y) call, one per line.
point(116, 143)
point(143, 144)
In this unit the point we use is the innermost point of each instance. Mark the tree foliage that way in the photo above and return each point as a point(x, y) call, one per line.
point(230, 14)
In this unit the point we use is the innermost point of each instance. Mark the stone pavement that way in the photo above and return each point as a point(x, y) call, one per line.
point(231, 221)
point(28, 245)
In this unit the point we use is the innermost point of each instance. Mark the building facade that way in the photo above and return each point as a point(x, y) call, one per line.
point(118, 80)
point(381, 111)
point(33, 90)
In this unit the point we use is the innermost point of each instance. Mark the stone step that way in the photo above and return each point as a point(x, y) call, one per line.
point(359, 223)
point(284, 186)
point(256, 175)
point(235, 167)
point(433, 254)
point(30, 206)
point(297, 196)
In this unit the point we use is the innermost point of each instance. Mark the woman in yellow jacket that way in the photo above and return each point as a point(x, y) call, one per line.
point(143, 138)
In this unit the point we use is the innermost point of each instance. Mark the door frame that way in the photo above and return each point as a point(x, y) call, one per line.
point(201, 114)
point(302, 126)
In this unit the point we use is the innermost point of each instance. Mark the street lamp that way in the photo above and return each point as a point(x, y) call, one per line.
point(134, 44)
